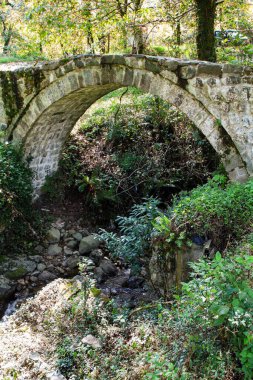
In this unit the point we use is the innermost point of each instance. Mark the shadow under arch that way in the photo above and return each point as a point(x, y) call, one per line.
point(53, 112)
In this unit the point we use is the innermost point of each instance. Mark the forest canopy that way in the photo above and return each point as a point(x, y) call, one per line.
point(50, 29)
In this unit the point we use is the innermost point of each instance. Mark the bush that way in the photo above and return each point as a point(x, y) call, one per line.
point(16, 214)
point(135, 231)
point(216, 307)
point(218, 211)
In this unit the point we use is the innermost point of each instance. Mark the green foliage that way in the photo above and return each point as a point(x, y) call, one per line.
point(216, 211)
point(135, 231)
point(16, 216)
point(67, 357)
point(165, 231)
point(132, 147)
point(161, 368)
point(208, 332)
point(219, 301)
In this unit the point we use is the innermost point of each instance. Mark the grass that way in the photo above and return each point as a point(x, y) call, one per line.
point(16, 58)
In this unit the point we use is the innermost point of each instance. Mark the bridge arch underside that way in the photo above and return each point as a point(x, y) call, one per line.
point(52, 114)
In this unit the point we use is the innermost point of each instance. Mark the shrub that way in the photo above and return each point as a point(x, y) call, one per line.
point(216, 211)
point(217, 305)
point(135, 231)
point(15, 197)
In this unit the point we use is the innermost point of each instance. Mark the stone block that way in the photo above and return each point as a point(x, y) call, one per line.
point(209, 69)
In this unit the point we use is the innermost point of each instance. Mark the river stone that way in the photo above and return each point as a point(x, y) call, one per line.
point(78, 236)
point(16, 273)
point(39, 249)
point(135, 282)
point(30, 265)
point(67, 251)
point(41, 267)
point(46, 276)
point(53, 235)
point(54, 250)
point(100, 275)
point(72, 244)
point(72, 262)
point(88, 243)
point(37, 258)
point(108, 267)
point(96, 256)
point(7, 288)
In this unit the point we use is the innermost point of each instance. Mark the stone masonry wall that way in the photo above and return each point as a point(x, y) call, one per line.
point(40, 103)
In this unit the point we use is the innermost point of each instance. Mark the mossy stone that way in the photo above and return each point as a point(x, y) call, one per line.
point(16, 273)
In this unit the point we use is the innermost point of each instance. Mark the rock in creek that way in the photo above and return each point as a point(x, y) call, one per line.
point(108, 267)
point(53, 235)
point(7, 288)
point(88, 243)
point(46, 276)
point(54, 250)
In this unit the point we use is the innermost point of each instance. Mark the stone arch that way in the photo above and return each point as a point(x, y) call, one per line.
point(52, 113)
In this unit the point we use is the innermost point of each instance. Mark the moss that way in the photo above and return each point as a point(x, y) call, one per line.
point(225, 138)
point(13, 101)
point(16, 273)
point(3, 259)
point(37, 78)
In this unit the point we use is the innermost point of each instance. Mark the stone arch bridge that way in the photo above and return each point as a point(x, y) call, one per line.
point(40, 103)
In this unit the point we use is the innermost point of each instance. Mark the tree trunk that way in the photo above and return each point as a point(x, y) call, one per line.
point(90, 40)
point(206, 13)
point(6, 34)
point(178, 33)
point(108, 43)
point(102, 44)
point(138, 44)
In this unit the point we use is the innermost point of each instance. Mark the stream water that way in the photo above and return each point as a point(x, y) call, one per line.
point(11, 307)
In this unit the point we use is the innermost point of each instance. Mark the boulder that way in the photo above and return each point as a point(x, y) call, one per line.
point(53, 235)
point(55, 376)
point(41, 267)
point(39, 249)
point(72, 244)
point(96, 256)
point(30, 265)
point(72, 262)
point(135, 282)
point(16, 273)
point(46, 276)
point(84, 232)
point(67, 251)
point(37, 258)
point(108, 267)
point(100, 275)
point(7, 288)
point(54, 250)
point(77, 236)
point(88, 243)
